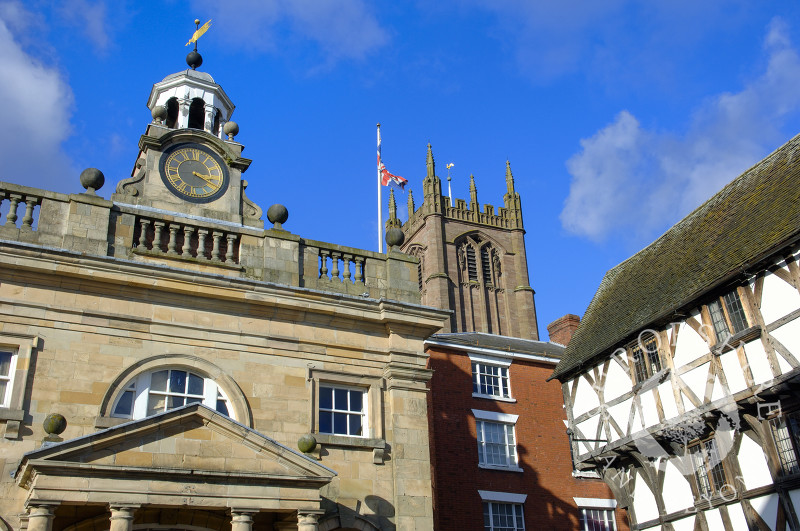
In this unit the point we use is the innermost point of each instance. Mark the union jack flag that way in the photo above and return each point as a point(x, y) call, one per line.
point(387, 177)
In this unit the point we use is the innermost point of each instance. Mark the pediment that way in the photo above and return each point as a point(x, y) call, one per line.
point(193, 440)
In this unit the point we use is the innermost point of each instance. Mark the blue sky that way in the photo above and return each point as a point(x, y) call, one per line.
point(619, 117)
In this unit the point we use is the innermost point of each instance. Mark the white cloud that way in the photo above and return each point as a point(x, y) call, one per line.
point(628, 180)
point(37, 108)
point(342, 29)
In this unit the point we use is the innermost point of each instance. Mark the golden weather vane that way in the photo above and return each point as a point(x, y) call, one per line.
point(198, 32)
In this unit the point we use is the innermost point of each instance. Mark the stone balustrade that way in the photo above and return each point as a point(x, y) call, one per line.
point(92, 226)
point(178, 238)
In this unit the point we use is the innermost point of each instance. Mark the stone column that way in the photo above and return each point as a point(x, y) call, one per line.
point(122, 517)
point(241, 520)
point(308, 519)
point(40, 518)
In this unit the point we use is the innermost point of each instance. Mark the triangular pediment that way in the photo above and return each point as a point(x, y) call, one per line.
point(193, 439)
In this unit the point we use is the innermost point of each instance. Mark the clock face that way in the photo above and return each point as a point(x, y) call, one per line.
point(194, 172)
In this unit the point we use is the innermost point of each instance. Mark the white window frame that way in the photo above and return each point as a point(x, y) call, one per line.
point(494, 499)
point(5, 400)
point(364, 413)
point(21, 347)
point(140, 385)
point(373, 429)
point(477, 361)
point(482, 418)
point(604, 505)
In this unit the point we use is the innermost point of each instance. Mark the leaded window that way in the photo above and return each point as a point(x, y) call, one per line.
point(645, 357)
point(709, 471)
point(786, 434)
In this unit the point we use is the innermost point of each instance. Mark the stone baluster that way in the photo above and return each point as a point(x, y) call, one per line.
point(230, 251)
point(188, 231)
point(40, 518)
point(202, 234)
point(215, 249)
point(122, 517)
point(159, 229)
point(173, 239)
point(359, 269)
point(346, 273)
point(323, 269)
point(335, 265)
point(27, 219)
point(143, 224)
point(11, 217)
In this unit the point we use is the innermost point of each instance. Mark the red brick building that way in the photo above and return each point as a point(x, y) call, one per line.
point(499, 449)
point(488, 383)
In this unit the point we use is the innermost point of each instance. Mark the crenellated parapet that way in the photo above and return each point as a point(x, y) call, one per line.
point(508, 216)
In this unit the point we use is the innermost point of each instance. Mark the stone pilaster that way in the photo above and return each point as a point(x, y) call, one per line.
point(40, 518)
point(122, 517)
point(308, 519)
point(241, 520)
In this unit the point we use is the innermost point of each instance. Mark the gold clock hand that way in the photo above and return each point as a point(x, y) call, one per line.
point(206, 179)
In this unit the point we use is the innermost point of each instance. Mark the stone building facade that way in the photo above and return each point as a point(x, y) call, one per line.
point(213, 374)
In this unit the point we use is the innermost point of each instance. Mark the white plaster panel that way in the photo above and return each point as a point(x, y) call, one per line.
point(778, 298)
point(668, 400)
point(789, 336)
point(757, 359)
point(644, 503)
point(649, 411)
point(690, 344)
point(696, 380)
point(679, 492)
point(767, 508)
point(585, 398)
point(783, 365)
point(736, 514)
point(617, 382)
point(714, 520)
point(795, 497)
point(684, 524)
point(733, 371)
point(589, 430)
point(620, 413)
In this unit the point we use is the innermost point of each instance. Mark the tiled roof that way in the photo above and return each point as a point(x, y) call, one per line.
point(754, 216)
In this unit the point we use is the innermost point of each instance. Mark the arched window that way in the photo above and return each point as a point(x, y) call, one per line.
point(172, 112)
point(197, 114)
point(157, 391)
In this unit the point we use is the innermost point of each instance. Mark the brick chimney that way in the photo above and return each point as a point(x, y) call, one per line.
point(561, 329)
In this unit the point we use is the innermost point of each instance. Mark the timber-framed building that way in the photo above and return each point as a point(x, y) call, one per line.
point(681, 382)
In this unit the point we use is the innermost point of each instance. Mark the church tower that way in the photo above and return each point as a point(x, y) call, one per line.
point(472, 260)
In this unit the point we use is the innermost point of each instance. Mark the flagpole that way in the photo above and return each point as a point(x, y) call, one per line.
point(380, 202)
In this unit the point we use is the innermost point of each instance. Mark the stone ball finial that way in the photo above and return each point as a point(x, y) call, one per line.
point(231, 129)
point(395, 237)
point(54, 424)
point(159, 114)
point(92, 179)
point(307, 443)
point(277, 215)
point(194, 59)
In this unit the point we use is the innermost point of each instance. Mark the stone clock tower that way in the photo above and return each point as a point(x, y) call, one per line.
point(189, 162)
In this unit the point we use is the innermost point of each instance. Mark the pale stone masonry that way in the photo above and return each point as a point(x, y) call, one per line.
point(264, 336)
